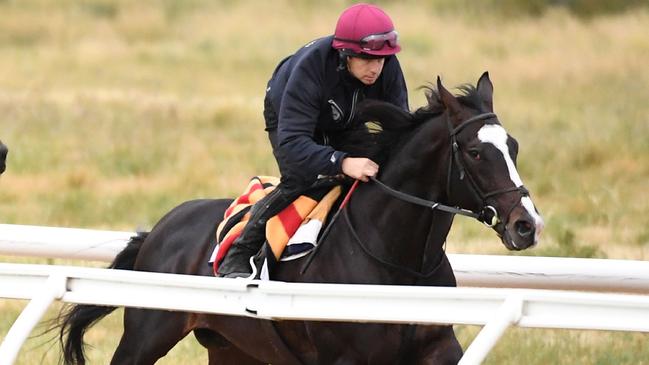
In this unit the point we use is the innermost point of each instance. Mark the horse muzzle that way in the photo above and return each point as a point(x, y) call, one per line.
point(522, 229)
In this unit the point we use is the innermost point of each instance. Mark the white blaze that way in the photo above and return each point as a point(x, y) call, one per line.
point(497, 136)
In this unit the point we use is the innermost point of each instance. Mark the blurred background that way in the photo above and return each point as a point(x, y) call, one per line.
point(116, 111)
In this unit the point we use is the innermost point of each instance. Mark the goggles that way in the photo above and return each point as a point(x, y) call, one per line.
point(375, 42)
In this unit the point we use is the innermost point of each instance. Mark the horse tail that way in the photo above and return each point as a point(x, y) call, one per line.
point(75, 320)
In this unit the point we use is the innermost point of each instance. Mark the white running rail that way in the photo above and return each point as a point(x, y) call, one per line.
point(67, 243)
point(495, 308)
point(470, 270)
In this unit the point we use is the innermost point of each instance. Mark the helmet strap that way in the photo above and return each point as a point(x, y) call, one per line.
point(342, 60)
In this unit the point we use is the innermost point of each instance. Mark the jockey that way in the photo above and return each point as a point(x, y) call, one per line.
point(315, 92)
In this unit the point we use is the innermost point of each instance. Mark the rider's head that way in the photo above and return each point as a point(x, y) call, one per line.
point(366, 31)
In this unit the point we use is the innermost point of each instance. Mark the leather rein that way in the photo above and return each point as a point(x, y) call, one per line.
point(488, 215)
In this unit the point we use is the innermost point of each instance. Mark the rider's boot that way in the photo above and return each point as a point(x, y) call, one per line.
point(236, 263)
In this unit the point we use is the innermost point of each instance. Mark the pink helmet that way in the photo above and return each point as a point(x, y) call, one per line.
point(365, 29)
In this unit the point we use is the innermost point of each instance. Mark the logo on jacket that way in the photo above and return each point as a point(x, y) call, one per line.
point(336, 112)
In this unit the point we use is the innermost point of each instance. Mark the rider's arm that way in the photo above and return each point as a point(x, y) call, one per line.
point(298, 116)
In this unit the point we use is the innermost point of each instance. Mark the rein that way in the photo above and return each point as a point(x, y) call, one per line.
point(397, 267)
point(487, 215)
point(423, 202)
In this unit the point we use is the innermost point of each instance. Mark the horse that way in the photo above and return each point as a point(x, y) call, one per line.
point(3, 157)
point(450, 157)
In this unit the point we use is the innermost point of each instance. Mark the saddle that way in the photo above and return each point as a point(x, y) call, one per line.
point(291, 234)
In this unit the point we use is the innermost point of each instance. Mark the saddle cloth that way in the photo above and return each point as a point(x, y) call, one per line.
point(291, 234)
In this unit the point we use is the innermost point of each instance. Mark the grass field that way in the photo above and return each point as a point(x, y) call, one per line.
point(117, 111)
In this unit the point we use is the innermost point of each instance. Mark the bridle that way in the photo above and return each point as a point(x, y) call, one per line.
point(488, 215)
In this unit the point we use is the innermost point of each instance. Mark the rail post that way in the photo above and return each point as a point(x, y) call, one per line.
point(509, 313)
point(54, 288)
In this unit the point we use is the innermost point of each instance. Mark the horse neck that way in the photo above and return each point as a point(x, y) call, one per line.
point(406, 233)
point(420, 166)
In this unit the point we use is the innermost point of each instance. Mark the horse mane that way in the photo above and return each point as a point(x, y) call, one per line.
point(381, 127)
point(377, 128)
point(468, 97)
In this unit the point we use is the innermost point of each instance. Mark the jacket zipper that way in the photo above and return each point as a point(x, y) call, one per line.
point(353, 109)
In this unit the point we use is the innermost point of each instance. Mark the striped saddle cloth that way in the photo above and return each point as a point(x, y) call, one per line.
point(290, 234)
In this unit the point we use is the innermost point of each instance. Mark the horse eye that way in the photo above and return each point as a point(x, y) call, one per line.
point(475, 154)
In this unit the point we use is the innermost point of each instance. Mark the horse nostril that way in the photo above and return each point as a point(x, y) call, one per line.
point(524, 228)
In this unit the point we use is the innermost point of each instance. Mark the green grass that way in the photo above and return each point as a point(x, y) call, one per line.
point(117, 111)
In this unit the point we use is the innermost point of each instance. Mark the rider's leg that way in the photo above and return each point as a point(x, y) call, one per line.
point(237, 262)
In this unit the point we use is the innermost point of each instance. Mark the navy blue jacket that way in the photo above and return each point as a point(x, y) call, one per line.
point(312, 93)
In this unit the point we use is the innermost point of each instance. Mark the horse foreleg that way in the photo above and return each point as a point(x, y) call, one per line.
point(149, 335)
point(230, 356)
point(444, 350)
point(221, 351)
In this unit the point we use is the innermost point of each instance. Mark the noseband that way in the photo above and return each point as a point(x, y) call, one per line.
point(487, 214)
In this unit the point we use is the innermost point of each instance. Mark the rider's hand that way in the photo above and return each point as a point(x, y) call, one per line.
point(359, 168)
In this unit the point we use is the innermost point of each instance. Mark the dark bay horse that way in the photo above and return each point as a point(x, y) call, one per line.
point(3, 157)
point(453, 151)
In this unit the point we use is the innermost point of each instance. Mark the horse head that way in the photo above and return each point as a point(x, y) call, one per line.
point(3, 157)
point(483, 175)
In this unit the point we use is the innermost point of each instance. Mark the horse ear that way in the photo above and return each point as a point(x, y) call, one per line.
point(486, 90)
point(449, 101)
